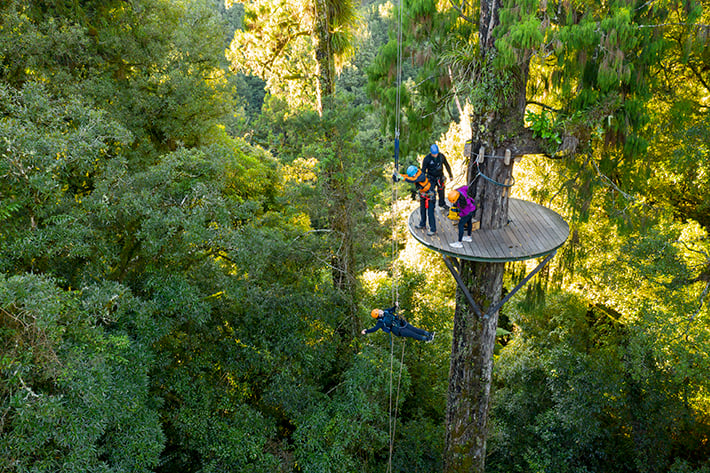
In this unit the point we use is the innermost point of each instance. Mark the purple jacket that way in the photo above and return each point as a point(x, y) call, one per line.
point(465, 203)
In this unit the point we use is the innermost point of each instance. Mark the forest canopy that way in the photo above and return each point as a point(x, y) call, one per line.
point(197, 218)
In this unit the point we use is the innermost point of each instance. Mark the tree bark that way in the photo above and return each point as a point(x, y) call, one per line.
point(340, 197)
point(343, 259)
point(471, 365)
point(474, 338)
point(470, 371)
point(325, 58)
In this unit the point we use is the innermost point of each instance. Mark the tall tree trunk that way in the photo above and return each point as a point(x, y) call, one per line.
point(339, 215)
point(343, 260)
point(325, 58)
point(474, 338)
point(470, 372)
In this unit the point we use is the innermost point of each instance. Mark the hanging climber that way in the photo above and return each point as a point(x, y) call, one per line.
point(390, 322)
point(427, 197)
point(466, 206)
point(433, 166)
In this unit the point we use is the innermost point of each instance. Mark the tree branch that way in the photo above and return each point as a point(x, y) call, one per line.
point(459, 8)
point(700, 307)
point(698, 76)
point(659, 25)
point(545, 106)
point(614, 186)
point(571, 180)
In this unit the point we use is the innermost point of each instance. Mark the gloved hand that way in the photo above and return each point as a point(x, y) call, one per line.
point(395, 177)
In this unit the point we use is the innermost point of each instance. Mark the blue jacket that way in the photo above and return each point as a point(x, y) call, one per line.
point(388, 322)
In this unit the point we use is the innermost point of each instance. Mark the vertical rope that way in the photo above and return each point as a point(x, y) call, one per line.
point(399, 69)
point(395, 288)
point(393, 419)
point(395, 275)
point(393, 249)
point(391, 433)
point(396, 402)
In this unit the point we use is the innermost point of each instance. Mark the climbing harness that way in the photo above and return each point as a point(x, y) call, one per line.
point(427, 196)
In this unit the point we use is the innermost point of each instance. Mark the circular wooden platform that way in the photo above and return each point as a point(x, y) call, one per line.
point(532, 231)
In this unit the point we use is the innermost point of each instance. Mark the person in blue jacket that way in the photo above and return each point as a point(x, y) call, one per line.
point(427, 197)
point(390, 322)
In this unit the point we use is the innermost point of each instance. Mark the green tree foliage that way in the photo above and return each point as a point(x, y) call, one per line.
point(333, 173)
point(158, 66)
point(75, 396)
point(295, 46)
point(590, 394)
point(54, 152)
point(425, 89)
point(198, 328)
point(138, 245)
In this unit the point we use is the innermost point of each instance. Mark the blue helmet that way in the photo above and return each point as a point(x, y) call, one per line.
point(434, 149)
point(412, 171)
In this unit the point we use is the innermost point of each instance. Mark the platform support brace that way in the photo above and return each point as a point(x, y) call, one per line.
point(462, 286)
point(492, 310)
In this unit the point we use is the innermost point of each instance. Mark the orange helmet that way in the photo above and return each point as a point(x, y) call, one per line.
point(375, 313)
point(453, 196)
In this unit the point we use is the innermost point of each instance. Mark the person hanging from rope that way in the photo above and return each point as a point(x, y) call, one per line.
point(390, 322)
point(427, 197)
point(433, 166)
point(466, 206)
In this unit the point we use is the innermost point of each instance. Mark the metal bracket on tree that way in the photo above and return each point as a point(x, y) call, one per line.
point(492, 310)
point(462, 286)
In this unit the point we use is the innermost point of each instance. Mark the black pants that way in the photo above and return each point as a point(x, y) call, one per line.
point(412, 332)
point(465, 223)
point(426, 209)
point(438, 186)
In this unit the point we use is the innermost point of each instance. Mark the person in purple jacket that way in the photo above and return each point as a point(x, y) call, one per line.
point(466, 206)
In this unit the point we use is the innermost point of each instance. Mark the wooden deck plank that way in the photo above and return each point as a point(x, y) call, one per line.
point(496, 239)
point(510, 243)
point(533, 231)
point(550, 220)
point(525, 219)
point(520, 227)
point(537, 230)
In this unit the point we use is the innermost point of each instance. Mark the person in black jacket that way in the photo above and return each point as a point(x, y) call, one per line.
point(390, 322)
point(433, 166)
